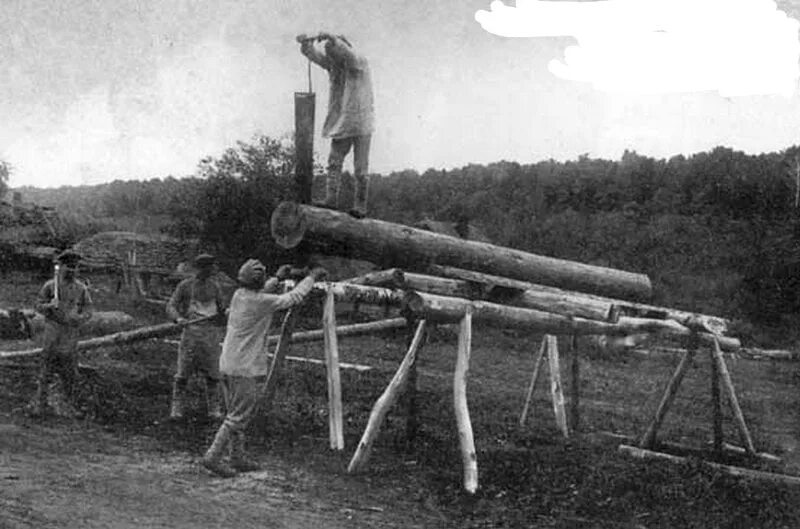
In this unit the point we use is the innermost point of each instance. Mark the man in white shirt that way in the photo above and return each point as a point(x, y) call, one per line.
point(244, 363)
point(351, 114)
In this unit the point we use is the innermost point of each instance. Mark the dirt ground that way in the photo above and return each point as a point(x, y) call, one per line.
point(126, 466)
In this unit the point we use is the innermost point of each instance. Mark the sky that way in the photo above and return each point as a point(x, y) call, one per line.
point(97, 90)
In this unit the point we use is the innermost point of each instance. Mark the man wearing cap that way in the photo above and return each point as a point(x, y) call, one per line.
point(198, 297)
point(351, 113)
point(244, 363)
point(65, 303)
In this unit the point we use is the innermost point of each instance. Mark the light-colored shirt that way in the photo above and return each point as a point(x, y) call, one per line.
point(351, 108)
point(244, 350)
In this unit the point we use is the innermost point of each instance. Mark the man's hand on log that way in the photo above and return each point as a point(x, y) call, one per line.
point(284, 272)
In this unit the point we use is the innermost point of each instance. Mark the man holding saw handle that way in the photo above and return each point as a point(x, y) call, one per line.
point(351, 113)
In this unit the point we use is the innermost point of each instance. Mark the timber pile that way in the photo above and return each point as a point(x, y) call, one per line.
point(153, 253)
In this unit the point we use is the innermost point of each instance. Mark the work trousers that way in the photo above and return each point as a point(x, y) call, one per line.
point(241, 395)
point(199, 352)
point(340, 147)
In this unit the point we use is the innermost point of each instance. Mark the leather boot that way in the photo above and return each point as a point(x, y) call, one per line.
point(332, 186)
point(178, 399)
point(213, 401)
point(359, 209)
point(239, 459)
point(212, 460)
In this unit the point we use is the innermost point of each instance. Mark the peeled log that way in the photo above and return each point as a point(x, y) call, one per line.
point(445, 309)
point(548, 299)
point(392, 245)
point(353, 293)
point(620, 307)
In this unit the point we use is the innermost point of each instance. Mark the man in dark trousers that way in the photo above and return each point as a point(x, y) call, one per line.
point(351, 114)
point(65, 303)
point(198, 297)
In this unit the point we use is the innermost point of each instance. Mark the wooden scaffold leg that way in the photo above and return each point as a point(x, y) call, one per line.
point(463, 423)
point(385, 402)
point(332, 367)
point(649, 437)
point(719, 360)
point(548, 348)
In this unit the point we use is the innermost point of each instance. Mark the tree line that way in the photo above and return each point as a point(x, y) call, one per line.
point(716, 231)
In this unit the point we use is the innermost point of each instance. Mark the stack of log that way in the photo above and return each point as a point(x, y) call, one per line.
point(444, 279)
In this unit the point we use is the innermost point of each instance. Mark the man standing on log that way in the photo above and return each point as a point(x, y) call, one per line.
point(198, 297)
point(65, 303)
point(351, 114)
point(244, 363)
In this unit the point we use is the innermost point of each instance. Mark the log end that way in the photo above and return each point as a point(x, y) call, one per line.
point(288, 224)
point(413, 302)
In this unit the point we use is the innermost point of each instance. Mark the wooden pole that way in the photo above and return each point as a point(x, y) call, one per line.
point(537, 364)
point(649, 437)
point(411, 386)
point(448, 309)
point(747, 441)
point(599, 304)
point(463, 423)
point(716, 409)
point(334, 382)
point(556, 389)
point(575, 389)
point(385, 402)
point(386, 244)
point(304, 103)
point(727, 469)
point(384, 278)
point(276, 367)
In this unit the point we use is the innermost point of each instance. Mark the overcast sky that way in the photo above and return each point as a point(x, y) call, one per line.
point(96, 90)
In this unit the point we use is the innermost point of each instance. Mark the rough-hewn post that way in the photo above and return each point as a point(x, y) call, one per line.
point(334, 381)
point(385, 402)
point(465, 437)
point(304, 103)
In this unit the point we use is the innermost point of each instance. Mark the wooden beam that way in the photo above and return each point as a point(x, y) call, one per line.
point(447, 309)
point(384, 278)
point(716, 409)
point(335, 423)
point(463, 423)
point(556, 389)
point(354, 293)
point(537, 365)
point(385, 402)
point(386, 244)
point(575, 388)
point(649, 437)
point(747, 441)
point(619, 307)
point(304, 103)
point(727, 469)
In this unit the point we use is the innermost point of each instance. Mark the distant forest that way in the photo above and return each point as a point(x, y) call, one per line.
point(717, 231)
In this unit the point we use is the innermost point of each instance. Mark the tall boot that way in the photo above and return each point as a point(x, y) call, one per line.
point(239, 459)
point(332, 187)
point(212, 400)
point(359, 209)
point(178, 399)
point(212, 460)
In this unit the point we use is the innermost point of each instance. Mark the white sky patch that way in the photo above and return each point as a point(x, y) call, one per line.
point(735, 47)
point(198, 103)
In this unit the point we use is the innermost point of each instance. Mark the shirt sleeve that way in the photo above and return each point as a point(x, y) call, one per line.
point(271, 286)
point(45, 295)
point(178, 301)
point(284, 301)
point(344, 54)
point(308, 49)
point(85, 306)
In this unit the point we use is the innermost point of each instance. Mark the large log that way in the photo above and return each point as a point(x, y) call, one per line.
point(392, 245)
point(506, 289)
point(354, 293)
point(532, 297)
point(446, 309)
